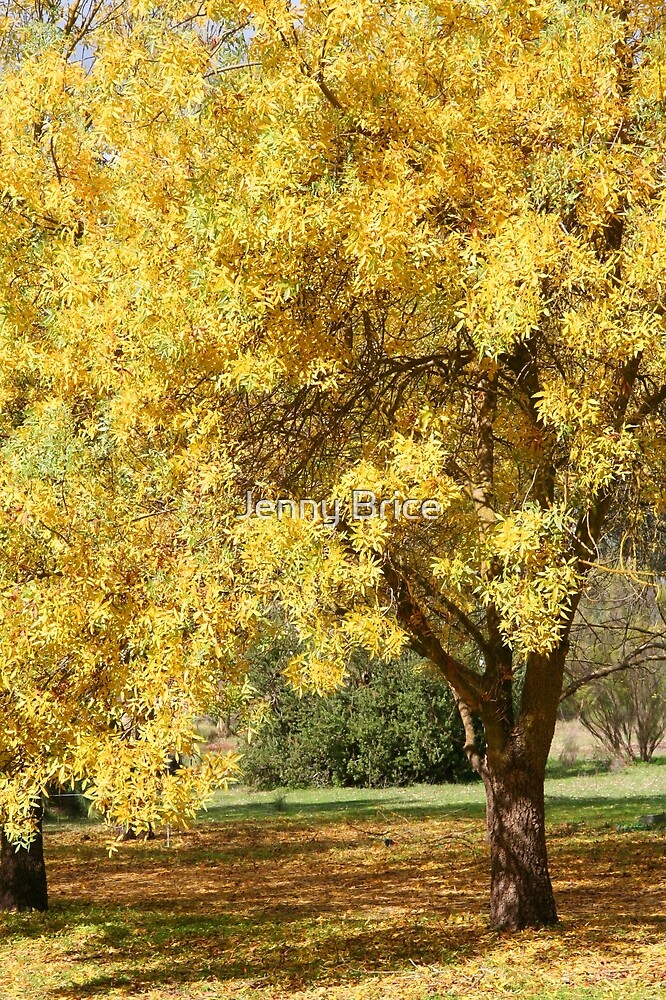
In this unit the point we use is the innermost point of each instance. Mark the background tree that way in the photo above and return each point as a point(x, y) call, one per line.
point(627, 713)
point(616, 675)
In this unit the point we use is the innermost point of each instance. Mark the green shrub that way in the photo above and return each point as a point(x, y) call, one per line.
point(394, 724)
point(66, 802)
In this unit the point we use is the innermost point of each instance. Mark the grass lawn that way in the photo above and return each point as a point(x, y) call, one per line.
point(295, 894)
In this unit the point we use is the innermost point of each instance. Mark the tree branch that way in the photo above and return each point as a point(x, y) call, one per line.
point(626, 664)
point(477, 761)
point(411, 616)
point(649, 405)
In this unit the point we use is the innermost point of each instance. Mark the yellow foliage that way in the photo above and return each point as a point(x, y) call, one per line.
point(413, 248)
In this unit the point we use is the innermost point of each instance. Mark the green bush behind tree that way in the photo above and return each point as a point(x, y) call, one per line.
point(393, 724)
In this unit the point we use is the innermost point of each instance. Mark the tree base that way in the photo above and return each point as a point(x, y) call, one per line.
point(521, 894)
point(23, 885)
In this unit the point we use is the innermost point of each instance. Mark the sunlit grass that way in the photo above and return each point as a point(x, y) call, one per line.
point(597, 795)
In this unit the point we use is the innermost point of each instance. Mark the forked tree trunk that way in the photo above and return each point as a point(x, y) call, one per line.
point(521, 894)
point(23, 874)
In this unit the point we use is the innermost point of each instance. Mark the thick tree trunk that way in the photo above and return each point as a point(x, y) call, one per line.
point(521, 894)
point(23, 874)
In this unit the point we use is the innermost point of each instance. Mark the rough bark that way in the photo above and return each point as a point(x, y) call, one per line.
point(521, 894)
point(513, 771)
point(23, 873)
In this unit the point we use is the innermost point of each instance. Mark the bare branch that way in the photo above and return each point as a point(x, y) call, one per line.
point(626, 664)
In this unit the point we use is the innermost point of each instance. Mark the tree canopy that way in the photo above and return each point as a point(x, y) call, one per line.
point(111, 638)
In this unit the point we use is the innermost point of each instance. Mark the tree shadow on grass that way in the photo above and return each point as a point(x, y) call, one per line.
point(600, 809)
point(597, 809)
point(578, 769)
point(352, 807)
point(291, 907)
point(170, 950)
point(291, 919)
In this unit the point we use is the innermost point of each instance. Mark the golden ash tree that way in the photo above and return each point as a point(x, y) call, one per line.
point(415, 249)
point(114, 620)
point(437, 231)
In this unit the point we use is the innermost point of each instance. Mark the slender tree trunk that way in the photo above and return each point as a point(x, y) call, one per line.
point(23, 873)
point(521, 894)
point(131, 834)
